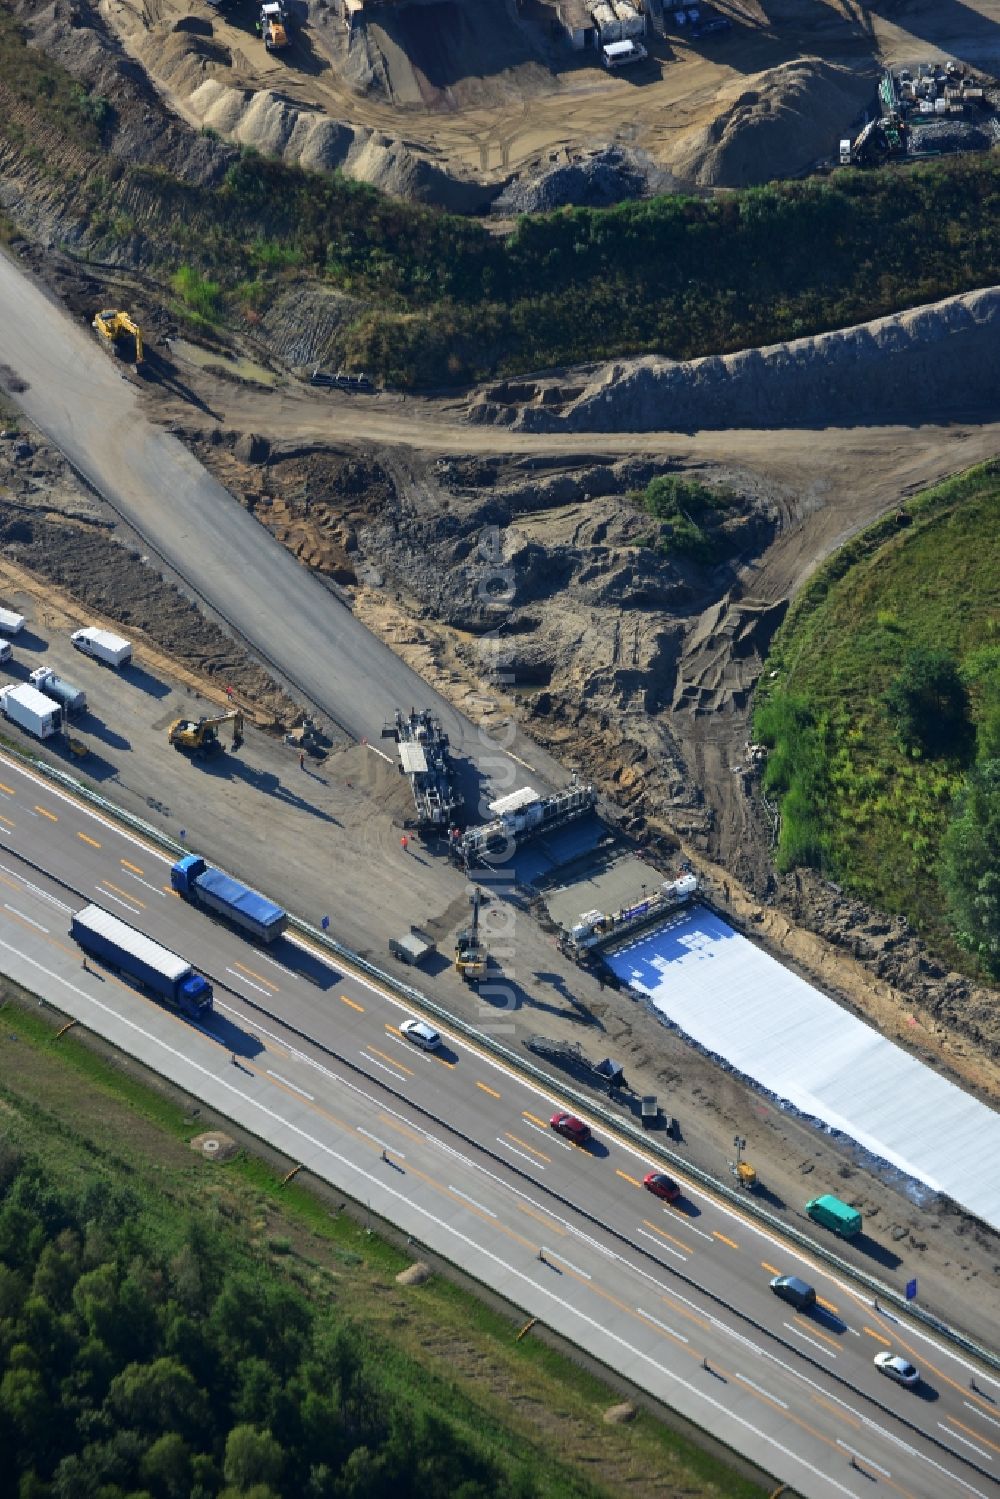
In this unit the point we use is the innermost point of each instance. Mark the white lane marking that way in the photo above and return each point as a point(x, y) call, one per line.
point(386, 1068)
point(29, 919)
point(966, 1441)
point(864, 1458)
point(242, 979)
point(35, 889)
point(761, 1391)
point(552, 1255)
point(281, 967)
point(667, 1248)
point(514, 1151)
point(379, 1141)
point(156, 889)
point(294, 1087)
point(689, 1228)
point(991, 1419)
point(662, 1325)
point(184, 1059)
point(380, 753)
point(830, 1352)
point(472, 1202)
point(125, 905)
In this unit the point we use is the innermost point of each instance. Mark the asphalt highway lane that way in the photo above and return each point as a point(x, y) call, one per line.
point(456, 1148)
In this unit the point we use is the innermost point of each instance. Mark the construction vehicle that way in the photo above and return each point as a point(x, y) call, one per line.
point(887, 136)
point(424, 757)
point(274, 26)
point(114, 328)
point(200, 736)
point(470, 954)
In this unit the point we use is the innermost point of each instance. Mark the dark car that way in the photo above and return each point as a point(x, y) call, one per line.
point(661, 1186)
point(713, 26)
point(573, 1128)
point(794, 1291)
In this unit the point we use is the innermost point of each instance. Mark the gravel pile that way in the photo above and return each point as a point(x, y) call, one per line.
point(596, 181)
point(948, 135)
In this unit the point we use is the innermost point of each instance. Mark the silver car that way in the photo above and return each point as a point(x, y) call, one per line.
point(421, 1034)
point(894, 1367)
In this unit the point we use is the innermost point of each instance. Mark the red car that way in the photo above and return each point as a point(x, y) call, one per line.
point(574, 1129)
point(661, 1186)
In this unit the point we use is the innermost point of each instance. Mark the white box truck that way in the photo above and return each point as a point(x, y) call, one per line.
point(71, 699)
point(11, 623)
point(109, 649)
point(31, 710)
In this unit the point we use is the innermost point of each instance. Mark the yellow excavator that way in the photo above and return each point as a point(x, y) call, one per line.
point(113, 327)
point(200, 736)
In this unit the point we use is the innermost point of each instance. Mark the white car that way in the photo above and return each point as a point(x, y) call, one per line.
point(894, 1367)
point(421, 1034)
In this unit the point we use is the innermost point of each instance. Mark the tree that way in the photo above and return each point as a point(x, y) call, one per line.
point(166, 1467)
point(929, 705)
point(252, 1457)
point(970, 864)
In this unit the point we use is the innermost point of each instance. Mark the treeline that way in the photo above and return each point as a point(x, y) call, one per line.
point(129, 1370)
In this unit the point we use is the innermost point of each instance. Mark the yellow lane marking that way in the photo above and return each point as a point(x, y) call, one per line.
point(92, 841)
point(9, 789)
point(877, 1336)
point(7, 821)
point(730, 1242)
point(664, 1235)
point(251, 973)
point(827, 1306)
point(126, 893)
point(972, 1432)
point(45, 813)
point(814, 1332)
point(393, 1061)
point(12, 883)
point(626, 1178)
point(550, 1223)
point(169, 890)
point(683, 1311)
point(835, 1410)
point(353, 1004)
point(403, 1129)
point(491, 1091)
point(771, 1269)
point(525, 1146)
point(134, 867)
point(534, 1119)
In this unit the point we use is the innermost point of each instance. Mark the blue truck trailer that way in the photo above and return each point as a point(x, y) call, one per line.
point(253, 913)
point(153, 967)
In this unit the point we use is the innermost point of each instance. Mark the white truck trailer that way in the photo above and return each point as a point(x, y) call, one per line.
point(11, 623)
point(31, 710)
point(110, 650)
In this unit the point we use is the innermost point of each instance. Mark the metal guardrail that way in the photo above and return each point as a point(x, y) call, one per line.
point(517, 1063)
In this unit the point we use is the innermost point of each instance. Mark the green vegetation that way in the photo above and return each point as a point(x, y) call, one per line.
point(690, 516)
point(434, 298)
point(199, 295)
point(173, 1328)
point(883, 716)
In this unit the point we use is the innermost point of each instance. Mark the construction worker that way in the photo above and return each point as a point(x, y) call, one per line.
point(302, 760)
point(404, 843)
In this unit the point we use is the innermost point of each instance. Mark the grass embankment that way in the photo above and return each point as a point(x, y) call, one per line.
point(439, 299)
point(863, 796)
point(173, 1302)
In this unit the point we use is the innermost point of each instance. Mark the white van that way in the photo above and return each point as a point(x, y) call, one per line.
point(11, 623)
point(110, 649)
point(618, 54)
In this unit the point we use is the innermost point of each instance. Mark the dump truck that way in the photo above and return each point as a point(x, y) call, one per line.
point(71, 699)
point(152, 967)
point(219, 893)
point(31, 710)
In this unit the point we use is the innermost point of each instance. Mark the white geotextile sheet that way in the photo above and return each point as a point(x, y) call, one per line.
point(742, 1005)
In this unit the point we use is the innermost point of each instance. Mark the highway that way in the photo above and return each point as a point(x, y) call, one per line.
point(456, 1149)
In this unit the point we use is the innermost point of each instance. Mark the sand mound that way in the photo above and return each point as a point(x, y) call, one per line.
point(618, 1415)
point(772, 124)
point(215, 1146)
point(414, 1275)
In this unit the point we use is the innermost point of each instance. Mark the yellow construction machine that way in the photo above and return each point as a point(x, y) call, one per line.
point(470, 954)
point(113, 327)
point(200, 736)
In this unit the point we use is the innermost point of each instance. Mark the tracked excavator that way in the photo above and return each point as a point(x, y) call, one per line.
point(200, 736)
point(120, 331)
